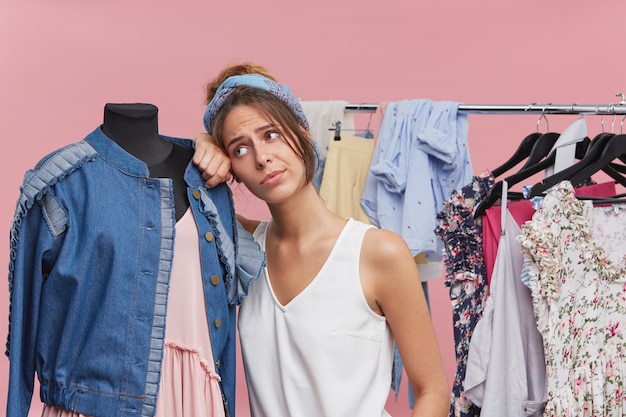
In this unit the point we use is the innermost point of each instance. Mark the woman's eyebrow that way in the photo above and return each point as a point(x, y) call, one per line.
point(265, 127)
point(237, 139)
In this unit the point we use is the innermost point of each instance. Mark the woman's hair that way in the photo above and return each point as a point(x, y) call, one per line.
point(239, 69)
point(279, 114)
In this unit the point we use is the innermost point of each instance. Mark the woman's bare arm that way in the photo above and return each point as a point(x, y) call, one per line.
point(393, 287)
point(211, 160)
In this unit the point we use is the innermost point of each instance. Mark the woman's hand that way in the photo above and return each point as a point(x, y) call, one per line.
point(211, 160)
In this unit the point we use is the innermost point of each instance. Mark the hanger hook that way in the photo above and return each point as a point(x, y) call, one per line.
point(612, 110)
point(369, 121)
point(543, 116)
point(623, 101)
point(602, 119)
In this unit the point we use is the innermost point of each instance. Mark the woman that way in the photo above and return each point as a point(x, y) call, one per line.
point(317, 331)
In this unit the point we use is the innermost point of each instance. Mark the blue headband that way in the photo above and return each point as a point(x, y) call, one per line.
point(257, 81)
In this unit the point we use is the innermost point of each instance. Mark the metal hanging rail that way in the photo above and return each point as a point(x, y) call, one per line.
point(594, 109)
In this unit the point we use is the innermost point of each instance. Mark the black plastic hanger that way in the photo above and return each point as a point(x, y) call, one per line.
point(533, 165)
point(540, 150)
point(597, 158)
point(532, 147)
point(615, 148)
point(616, 199)
point(521, 153)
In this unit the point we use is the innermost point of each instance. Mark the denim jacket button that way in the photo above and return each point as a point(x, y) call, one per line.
point(218, 323)
point(215, 280)
point(196, 194)
point(208, 236)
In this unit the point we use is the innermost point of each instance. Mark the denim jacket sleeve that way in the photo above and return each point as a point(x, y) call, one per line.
point(36, 234)
point(34, 244)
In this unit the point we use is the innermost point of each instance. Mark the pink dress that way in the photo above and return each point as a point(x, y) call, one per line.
point(189, 384)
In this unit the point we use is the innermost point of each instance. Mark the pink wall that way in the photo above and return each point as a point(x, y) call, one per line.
point(62, 61)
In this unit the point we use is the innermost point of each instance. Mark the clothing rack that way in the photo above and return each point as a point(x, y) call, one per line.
point(550, 108)
point(534, 108)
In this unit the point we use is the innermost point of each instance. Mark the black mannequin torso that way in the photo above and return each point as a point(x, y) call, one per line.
point(135, 128)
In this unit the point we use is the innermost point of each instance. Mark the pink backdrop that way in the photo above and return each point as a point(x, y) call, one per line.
point(61, 61)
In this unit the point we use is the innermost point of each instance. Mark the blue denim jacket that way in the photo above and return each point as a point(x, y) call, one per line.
point(91, 255)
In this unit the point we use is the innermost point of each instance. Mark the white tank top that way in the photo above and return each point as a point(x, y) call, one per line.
point(325, 353)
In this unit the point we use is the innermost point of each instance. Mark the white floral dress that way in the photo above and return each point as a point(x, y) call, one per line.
point(575, 254)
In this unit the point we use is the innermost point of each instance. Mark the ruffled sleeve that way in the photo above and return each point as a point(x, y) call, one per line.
point(461, 233)
point(250, 260)
point(560, 220)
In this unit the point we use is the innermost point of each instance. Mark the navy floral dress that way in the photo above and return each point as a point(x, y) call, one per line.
point(466, 276)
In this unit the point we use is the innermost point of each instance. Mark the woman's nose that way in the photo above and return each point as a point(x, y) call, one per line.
point(263, 158)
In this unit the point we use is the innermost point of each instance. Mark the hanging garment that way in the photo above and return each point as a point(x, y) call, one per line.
point(461, 234)
point(575, 256)
point(565, 146)
point(522, 211)
point(505, 367)
point(420, 156)
point(321, 116)
point(347, 163)
point(428, 269)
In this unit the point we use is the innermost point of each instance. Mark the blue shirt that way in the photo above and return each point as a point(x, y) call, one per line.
point(91, 255)
point(421, 156)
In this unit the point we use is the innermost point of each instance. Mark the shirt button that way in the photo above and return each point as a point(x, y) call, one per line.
point(218, 323)
point(208, 236)
point(196, 194)
point(215, 280)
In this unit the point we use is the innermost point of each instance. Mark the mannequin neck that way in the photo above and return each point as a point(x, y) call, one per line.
point(135, 128)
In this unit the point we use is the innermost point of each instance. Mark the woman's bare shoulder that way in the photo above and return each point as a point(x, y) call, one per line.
point(384, 246)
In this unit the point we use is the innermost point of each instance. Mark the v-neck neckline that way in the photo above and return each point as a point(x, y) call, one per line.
point(316, 277)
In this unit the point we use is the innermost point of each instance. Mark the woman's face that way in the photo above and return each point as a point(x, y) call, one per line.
point(260, 154)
